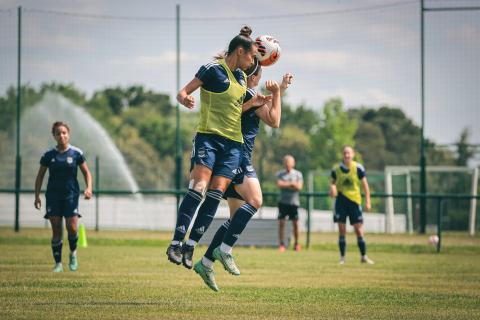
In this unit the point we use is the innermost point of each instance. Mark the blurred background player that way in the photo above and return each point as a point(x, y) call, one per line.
point(290, 182)
point(346, 178)
point(244, 195)
point(63, 191)
point(217, 146)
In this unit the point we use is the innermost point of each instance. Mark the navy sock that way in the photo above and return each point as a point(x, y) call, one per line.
point(239, 222)
point(342, 244)
point(185, 213)
point(57, 251)
point(72, 242)
point(362, 246)
point(205, 214)
point(217, 240)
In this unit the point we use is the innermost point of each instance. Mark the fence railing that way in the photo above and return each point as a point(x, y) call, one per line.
point(308, 196)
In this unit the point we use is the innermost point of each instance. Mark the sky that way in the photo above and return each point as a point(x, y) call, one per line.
point(366, 52)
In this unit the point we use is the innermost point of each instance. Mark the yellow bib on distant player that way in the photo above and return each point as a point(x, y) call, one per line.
point(348, 183)
point(221, 113)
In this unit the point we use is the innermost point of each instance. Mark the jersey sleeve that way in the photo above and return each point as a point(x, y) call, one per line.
point(203, 74)
point(45, 159)
point(249, 94)
point(333, 174)
point(80, 158)
point(360, 172)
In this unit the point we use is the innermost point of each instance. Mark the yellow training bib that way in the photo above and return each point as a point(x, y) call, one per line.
point(221, 113)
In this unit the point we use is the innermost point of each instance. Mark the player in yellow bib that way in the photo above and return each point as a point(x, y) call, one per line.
point(217, 146)
point(346, 179)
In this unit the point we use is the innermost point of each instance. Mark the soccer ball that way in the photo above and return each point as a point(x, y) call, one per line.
point(433, 240)
point(268, 50)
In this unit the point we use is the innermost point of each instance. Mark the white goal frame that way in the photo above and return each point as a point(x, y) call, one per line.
point(391, 171)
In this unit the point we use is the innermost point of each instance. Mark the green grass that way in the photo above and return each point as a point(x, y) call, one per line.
point(125, 275)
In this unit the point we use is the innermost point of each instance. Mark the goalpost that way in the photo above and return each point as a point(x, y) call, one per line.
point(407, 171)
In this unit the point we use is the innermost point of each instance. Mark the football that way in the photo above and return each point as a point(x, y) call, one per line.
point(268, 50)
point(433, 240)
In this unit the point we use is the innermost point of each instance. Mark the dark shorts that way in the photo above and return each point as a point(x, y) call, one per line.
point(344, 208)
point(289, 210)
point(62, 207)
point(244, 171)
point(219, 154)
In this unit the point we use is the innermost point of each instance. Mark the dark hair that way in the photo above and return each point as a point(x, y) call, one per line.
point(254, 69)
point(243, 40)
point(58, 124)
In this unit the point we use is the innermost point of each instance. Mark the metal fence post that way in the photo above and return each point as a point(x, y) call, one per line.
point(18, 160)
point(309, 209)
point(439, 223)
point(97, 191)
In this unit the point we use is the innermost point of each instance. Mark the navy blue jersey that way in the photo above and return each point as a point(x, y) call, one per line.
point(62, 169)
point(250, 128)
point(360, 171)
point(215, 79)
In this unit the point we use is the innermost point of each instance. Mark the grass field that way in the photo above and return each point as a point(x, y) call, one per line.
point(125, 275)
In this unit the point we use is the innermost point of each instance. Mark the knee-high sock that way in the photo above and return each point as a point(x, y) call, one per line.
point(342, 244)
point(57, 250)
point(185, 213)
point(362, 246)
point(72, 242)
point(217, 239)
point(238, 224)
point(205, 214)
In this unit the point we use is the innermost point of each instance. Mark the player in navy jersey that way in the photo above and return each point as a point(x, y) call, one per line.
point(217, 145)
point(63, 192)
point(244, 195)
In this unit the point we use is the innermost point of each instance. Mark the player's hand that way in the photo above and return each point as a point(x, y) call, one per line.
point(87, 193)
point(272, 86)
point(189, 102)
point(368, 205)
point(260, 99)
point(286, 81)
point(38, 203)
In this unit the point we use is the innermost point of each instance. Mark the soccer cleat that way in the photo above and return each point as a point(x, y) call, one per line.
point(281, 248)
point(342, 260)
point(297, 247)
point(366, 260)
point(227, 261)
point(174, 253)
point(207, 274)
point(73, 263)
point(58, 267)
point(187, 254)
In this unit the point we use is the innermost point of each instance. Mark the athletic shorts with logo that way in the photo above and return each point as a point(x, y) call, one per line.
point(219, 154)
point(344, 208)
point(66, 207)
point(244, 171)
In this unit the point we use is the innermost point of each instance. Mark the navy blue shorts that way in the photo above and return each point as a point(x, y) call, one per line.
point(244, 171)
point(62, 207)
point(344, 208)
point(219, 154)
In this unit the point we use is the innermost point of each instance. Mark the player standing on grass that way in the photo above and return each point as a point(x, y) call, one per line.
point(63, 191)
point(217, 146)
point(244, 195)
point(346, 178)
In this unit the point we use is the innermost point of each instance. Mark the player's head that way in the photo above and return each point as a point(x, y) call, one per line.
point(243, 48)
point(61, 132)
point(289, 162)
point(254, 74)
point(348, 153)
